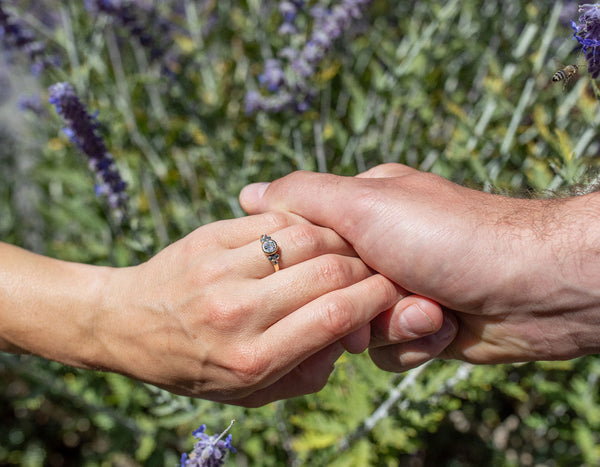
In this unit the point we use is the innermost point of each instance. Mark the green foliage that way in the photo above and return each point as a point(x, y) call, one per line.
point(460, 88)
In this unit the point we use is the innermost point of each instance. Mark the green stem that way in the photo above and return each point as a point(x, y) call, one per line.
point(596, 89)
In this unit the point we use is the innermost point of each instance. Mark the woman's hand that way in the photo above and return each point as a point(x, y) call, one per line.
point(209, 317)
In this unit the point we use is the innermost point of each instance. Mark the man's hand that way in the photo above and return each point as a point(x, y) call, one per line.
point(520, 276)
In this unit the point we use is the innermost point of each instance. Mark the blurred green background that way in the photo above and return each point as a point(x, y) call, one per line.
point(459, 88)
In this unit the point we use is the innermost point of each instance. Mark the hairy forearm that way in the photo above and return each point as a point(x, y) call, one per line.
point(547, 261)
point(574, 251)
point(48, 307)
point(565, 242)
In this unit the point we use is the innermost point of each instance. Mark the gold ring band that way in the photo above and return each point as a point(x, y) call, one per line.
point(270, 248)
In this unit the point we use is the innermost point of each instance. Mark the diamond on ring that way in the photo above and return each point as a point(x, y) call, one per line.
point(269, 248)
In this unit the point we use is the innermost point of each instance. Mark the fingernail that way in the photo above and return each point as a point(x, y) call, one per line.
point(447, 331)
point(414, 320)
point(256, 190)
point(251, 195)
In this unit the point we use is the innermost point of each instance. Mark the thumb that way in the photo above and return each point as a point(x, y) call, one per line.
point(251, 197)
point(323, 199)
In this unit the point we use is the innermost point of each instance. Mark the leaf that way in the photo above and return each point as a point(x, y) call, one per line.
point(359, 455)
point(587, 440)
point(565, 145)
point(314, 441)
point(359, 117)
point(145, 448)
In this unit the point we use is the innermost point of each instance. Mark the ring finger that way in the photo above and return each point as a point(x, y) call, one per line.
point(295, 244)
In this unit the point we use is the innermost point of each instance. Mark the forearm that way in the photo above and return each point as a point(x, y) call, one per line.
point(572, 270)
point(48, 307)
point(535, 273)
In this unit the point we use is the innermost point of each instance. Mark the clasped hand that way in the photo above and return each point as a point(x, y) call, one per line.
point(405, 263)
point(216, 321)
point(517, 277)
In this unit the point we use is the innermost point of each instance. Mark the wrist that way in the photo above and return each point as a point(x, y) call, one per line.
point(115, 323)
point(48, 307)
point(558, 274)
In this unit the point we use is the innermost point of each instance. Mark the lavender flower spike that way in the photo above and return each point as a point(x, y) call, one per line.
point(209, 451)
point(145, 24)
point(587, 33)
point(15, 36)
point(286, 81)
point(82, 130)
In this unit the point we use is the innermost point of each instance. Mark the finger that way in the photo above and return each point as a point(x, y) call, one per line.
point(357, 342)
point(296, 243)
point(316, 197)
point(235, 233)
point(308, 377)
point(330, 317)
point(412, 317)
point(402, 357)
point(295, 287)
point(387, 171)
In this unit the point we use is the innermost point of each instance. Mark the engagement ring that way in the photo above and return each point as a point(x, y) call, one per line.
point(269, 248)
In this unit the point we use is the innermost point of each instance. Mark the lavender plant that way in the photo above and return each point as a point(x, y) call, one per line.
point(82, 129)
point(146, 25)
point(31, 103)
point(15, 36)
point(470, 110)
point(286, 81)
point(208, 451)
point(587, 33)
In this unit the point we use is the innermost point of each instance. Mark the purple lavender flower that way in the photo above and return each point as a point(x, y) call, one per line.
point(16, 36)
point(208, 451)
point(587, 33)
point(31, 104)
point(145, 24)
point(82, 130)
point(289, 11)
point(286, 81)
point(273, 76)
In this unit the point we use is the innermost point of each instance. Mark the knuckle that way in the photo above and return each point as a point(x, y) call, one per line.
point(250, 365)
point(367, 199)
point(281, 185)
point(306, 237)
point(198, 240)
point(338, 271)
point(336, 315)
point(383, 288)
point(224, 312)
point(208, 271)
point(427, 178)
point(277, 219)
